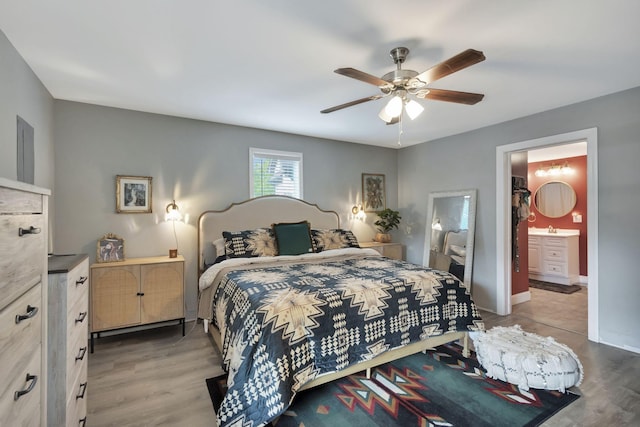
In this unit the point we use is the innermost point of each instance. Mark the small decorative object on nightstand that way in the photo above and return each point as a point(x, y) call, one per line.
point(137, 291)
point(390, 250)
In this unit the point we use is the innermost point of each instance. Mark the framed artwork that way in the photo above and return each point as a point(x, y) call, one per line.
point(373, 192)
point(133, 194)
point(110, 248)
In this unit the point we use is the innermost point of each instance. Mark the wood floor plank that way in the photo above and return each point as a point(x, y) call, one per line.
point(156, 377)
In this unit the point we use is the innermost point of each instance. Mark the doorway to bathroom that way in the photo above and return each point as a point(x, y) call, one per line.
point(504, 221)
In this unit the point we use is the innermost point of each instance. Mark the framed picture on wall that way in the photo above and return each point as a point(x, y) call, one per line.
point(110, 248)
point(373, 192)
point(133, 194)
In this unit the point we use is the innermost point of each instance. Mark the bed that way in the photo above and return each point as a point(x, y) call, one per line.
point(300, 316)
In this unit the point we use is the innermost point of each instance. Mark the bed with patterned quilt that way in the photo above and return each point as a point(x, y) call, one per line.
point(292, 302)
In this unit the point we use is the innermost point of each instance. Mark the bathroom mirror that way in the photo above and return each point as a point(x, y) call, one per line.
point(449, 237)
point(554, 199)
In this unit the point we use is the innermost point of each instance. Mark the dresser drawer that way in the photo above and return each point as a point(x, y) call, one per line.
point(77, 355)
point(77, 399)
point(78, 319)
point(20, 340)
point(21, 257)
point(26, 410)
point(78, 284)
point(17, 201)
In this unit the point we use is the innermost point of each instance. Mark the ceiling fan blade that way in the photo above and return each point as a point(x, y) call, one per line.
point(352, 103)
point(451, 96)
point(364, 77)
point(456, 63)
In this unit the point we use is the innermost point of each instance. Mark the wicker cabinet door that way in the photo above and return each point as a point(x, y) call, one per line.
point(163, 288)
point(115, 299)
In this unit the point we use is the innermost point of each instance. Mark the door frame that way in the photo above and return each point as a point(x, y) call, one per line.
point(503, 219)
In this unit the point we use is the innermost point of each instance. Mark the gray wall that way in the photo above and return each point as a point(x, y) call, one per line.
point(21, 93)
point(202, 165)
point(468, 161)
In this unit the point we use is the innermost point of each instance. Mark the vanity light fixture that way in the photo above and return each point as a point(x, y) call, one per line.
point(555, 170)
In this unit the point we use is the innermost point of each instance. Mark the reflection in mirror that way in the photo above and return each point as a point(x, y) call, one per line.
point(449, 237)
point(555, 199)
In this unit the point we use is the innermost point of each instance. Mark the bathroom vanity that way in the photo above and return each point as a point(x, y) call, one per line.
point(554, 256)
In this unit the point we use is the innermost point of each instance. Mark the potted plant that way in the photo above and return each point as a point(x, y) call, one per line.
point(389, 220)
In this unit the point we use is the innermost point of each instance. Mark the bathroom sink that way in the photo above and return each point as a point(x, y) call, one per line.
point(557, 232)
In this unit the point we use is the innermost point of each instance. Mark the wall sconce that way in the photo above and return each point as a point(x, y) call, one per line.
point(173, 215)
point(436, 225)
point(358, 212)
point(555, 170)
point(173, 212)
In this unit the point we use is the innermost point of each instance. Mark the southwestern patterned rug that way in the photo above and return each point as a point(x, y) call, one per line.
point(439, 388)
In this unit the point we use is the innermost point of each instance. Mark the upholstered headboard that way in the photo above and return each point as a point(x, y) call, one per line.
point(254, 213)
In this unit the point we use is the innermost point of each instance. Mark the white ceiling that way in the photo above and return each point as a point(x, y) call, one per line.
point(269, 64)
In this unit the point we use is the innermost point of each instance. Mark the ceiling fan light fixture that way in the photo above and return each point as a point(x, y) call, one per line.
point(384, 116)
point(394, 106)
point(413, 108)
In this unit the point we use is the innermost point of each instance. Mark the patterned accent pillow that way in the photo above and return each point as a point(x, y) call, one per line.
point(333, 239)
point(250, 243)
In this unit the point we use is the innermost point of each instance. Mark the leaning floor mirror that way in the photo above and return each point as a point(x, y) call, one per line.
point(451, 217)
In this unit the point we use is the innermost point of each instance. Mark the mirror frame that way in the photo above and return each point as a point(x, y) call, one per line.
point(535, 195)
point(468, 265)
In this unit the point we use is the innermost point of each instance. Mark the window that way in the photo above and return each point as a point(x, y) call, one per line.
point(275, 172)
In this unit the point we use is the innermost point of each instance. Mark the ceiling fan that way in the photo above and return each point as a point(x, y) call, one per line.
point(401, 84)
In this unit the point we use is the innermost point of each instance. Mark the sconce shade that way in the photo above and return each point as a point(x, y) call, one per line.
point(173, 212)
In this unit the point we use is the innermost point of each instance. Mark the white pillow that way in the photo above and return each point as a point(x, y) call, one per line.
point(219, 245)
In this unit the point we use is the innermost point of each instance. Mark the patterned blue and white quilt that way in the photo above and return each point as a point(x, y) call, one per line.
point(284, 323)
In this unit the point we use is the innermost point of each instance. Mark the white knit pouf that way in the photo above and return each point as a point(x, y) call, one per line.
point(526, 359)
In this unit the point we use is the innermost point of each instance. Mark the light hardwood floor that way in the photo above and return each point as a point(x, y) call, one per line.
point(156, 377)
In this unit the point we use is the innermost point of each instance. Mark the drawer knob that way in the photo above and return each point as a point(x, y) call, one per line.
point(83, 388)
point(81, 353)
point(33, 379)
point(81, 317)
point(30, 230)
point(31, 311)
point(81, 281)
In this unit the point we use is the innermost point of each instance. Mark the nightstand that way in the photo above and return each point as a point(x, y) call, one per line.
point(135, 292)
point(390, 250)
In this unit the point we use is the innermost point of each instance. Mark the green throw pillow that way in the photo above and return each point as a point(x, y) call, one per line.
point(293, 238)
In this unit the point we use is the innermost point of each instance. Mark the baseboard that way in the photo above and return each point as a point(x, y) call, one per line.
point(520, 298)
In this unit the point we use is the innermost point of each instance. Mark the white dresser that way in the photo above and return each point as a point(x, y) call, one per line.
point(554, 257)
point(68, 340)
point(23, 308)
